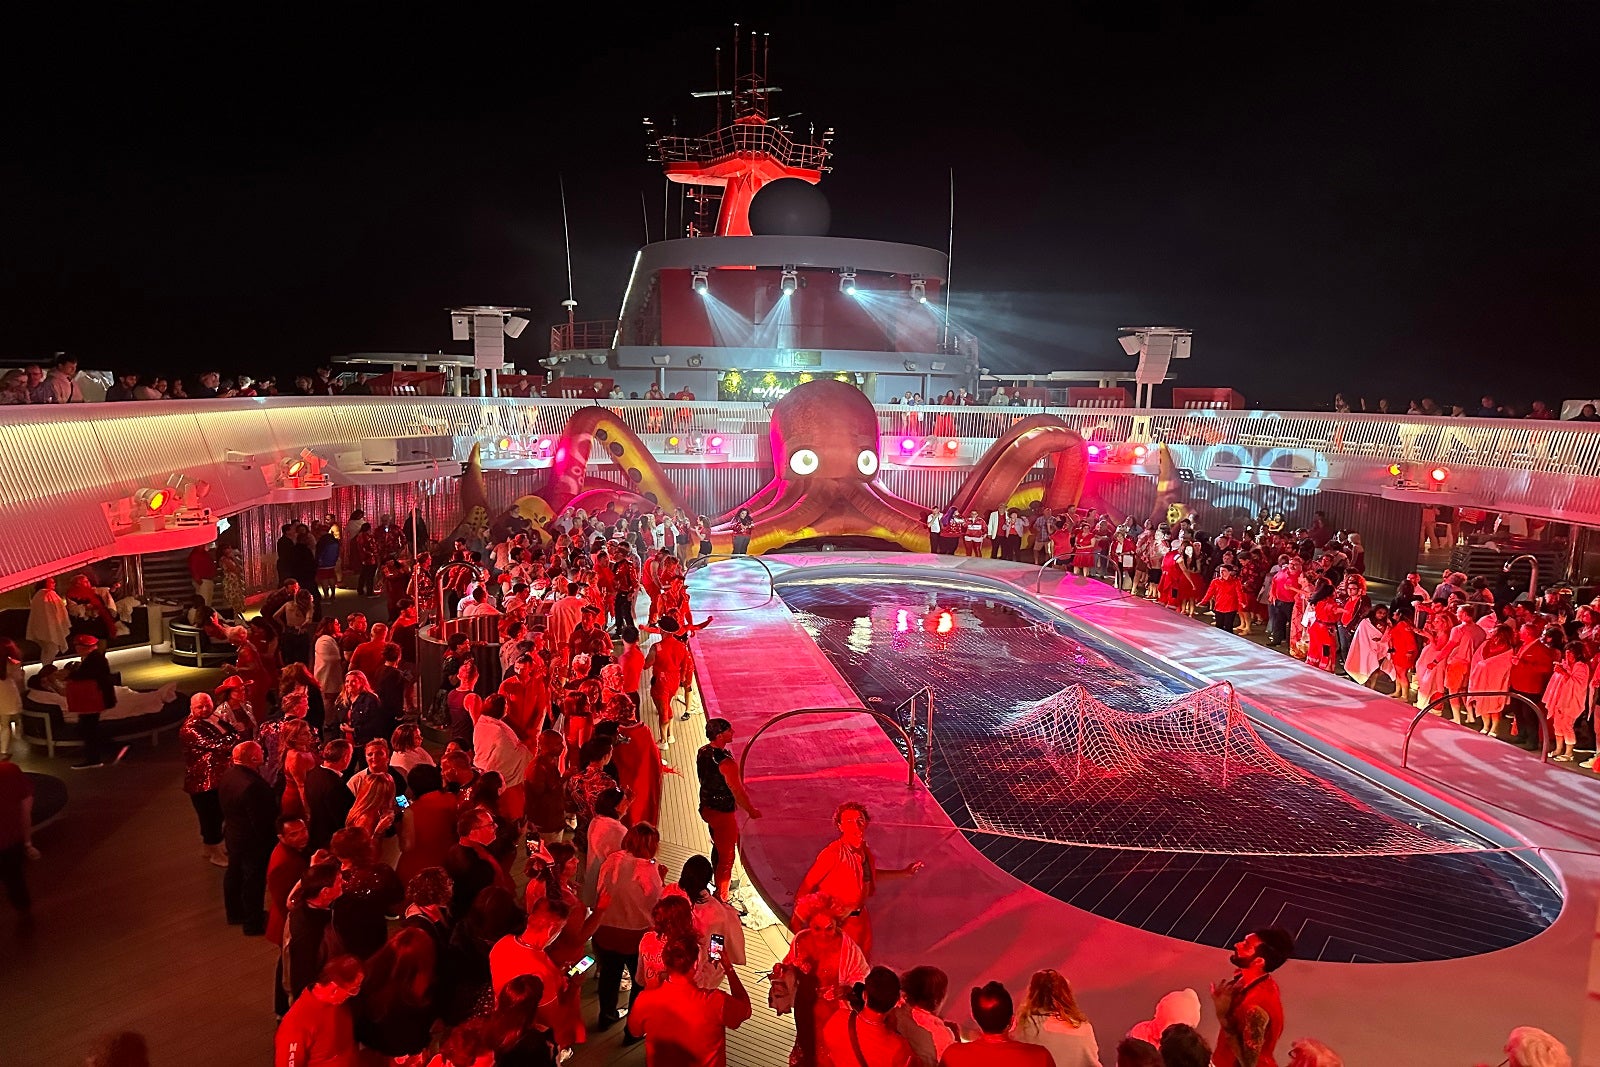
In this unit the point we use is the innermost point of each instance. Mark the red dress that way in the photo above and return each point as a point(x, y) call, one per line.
point(638, 764)
point(1178, 584)
point(1322, 646)
point(1083, 549)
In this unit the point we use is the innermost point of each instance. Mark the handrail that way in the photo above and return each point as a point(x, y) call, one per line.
point(911, 756)
point(477, 572)
point(1038, 578)
point(911, 701)
point(1538, 718)
point(701, 562)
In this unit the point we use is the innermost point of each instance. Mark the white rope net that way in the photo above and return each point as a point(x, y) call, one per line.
point(1193, 776)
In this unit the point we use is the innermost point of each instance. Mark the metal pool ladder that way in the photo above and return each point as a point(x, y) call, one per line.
point(909, 706)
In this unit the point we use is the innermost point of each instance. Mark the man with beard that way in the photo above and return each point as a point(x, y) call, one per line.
point(1249, 1005)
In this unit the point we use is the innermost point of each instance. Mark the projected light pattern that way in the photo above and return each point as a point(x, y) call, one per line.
point(1000, 656)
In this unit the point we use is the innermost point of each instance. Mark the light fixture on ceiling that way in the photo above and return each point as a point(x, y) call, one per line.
point(696, 359)
point(847, 282)
point(909, 365)
point(700, 280)
point(919, 289)
point(790, 281)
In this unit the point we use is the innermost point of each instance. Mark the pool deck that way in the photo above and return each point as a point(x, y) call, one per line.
point(977, 922)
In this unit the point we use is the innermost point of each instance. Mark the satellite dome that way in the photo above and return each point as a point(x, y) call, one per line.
point(789, 207)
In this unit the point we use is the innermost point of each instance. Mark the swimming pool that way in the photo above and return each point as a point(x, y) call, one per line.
point(1362, 874)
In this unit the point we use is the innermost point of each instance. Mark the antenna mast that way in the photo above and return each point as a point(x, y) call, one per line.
point(570, 303)
point(949, 253)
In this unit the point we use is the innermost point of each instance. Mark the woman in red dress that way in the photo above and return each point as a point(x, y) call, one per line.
point(1180, 581)
point(1404, 648)
point(1322, 641)
point(1082, 549)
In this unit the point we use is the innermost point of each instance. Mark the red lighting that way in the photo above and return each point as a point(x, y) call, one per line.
point(296, 467)
point(1439, 474)
point(908, 445)
point(952, 446)
point(1096, 452)
point(939, 622)
point(1139, 451)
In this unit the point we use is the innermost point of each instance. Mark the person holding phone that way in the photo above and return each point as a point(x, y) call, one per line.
point(680, 1020)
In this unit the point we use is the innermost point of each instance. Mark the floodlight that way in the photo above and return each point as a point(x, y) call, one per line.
point(847, 282)
point(1439, 474)
point(515, 324)
point(1131, 344)
point(908, 445)
point(661, 359)
point(1139, 451)
point(790, 281)
point(919, 290)
point(700, 281)
point(152, 500)
point(952, 446)
point(1096, 452)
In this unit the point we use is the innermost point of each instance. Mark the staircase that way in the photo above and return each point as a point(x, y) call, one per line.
point(166, 577)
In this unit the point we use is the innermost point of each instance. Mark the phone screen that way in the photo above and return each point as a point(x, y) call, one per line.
point(716, 947)
point(402, 801)
point(581, 967)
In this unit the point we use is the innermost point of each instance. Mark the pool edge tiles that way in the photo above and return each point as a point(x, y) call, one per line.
point(967, 917)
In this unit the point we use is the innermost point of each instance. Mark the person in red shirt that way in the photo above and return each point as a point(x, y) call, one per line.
point(683, 1024)
point(993, 1012)
point(632, 663)
point(848, 873)
point(1225, 594)
point(1531, 667)
point(670, 672)
point(319, 1030)
point(368, 655)
point(1249, 1005)
point(866, 1037)
point(284, 869)
point(527, 697)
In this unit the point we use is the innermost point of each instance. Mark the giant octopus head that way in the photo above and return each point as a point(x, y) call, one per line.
point(825, 475)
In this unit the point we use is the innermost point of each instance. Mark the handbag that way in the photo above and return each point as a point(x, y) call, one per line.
point(781, 991)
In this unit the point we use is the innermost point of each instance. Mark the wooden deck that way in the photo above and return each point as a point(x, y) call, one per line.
point(129, 932)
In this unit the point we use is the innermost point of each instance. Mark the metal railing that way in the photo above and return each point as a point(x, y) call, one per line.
point(911, 759)
point(909, 705)
point(702, 562)
point(1538, 718)
point(1038, 578)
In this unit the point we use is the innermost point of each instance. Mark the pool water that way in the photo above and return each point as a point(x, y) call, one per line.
point(1360, 874)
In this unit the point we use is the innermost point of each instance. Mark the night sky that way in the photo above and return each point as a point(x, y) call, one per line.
point(1396, 201)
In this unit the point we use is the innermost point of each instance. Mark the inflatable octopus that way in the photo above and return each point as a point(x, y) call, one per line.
point(826, 460)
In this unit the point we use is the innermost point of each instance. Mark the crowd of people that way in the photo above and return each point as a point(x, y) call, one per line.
point(58, 383)
point(1487, 408)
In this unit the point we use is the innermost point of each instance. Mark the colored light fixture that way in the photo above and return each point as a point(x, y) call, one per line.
point(1439, 474)
point(1096, 452)
point(1139, 451)
point(715, 442)
point(1394, 470)
point(952, 446)
point(152, 500)
point(908, 445)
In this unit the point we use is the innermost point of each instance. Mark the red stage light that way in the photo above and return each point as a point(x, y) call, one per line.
point(1439, 474)
point(952, 445)
point(296, 467)
point(908, 445)
point(715, 442)
point(1139, 451)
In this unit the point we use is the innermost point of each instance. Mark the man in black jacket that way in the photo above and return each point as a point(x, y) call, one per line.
point(249, 831)
point(305, 931)
point(90, 691)
point(328, 799)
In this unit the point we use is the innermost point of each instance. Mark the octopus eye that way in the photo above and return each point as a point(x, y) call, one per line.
point(804, 461)
point(867, 462)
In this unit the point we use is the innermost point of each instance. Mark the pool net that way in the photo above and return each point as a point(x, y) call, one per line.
point(1190, 776)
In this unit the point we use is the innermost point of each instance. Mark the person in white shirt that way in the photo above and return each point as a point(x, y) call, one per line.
point(496, 746)
point(936, 532)
point(917, 1019)
point(1050, 1017)
point(711, 916)
point(995, 532)
point(630, 880)
point(477, 604)
point(48, 623)
point(604, 837)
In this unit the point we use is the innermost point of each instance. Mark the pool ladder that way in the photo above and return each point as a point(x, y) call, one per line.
point(908, 706)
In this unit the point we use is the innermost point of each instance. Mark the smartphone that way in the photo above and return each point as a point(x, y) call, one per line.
point(402, 802)
point(716, 948)
point(581, 967)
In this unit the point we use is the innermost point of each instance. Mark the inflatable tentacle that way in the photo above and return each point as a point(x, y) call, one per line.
point(597, 426)
point(1009, 460)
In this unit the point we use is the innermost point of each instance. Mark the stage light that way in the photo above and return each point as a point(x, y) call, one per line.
point(544, 443)
point(1131, 344)
point(1096, 452)
point(1394, 470)
point(847, 282)
point(1139, 452)
point(152, 500)
point(700, 281)
point(715, 442)
point(790, 281)
point(1438, 474)
point(504, 444)
point(919, 290)
point(952, 446)
point(672, 442)
point(295, 468)
point(908, 445)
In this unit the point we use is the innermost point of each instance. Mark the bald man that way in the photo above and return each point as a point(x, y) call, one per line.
point(249, 833)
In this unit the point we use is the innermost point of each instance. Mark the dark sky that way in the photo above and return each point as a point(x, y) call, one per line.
point(1396, 200)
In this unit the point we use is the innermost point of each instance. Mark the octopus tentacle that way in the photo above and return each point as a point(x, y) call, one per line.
point(597, 425)
point(1009, 459)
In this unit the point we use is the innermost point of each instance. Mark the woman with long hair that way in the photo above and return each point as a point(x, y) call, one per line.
point(1431, 658)
point(826, 965)
point(1050, 1017)
point(374, 808)
point(1565, 697)
point(295, 765)
point(294, 677)
point(1180, 577)
point(743, 526)
point(671, 919)
point(357, 711)
point(1322, 642)
point(1404, 648)
point(512, 1029)
point(396, 1008)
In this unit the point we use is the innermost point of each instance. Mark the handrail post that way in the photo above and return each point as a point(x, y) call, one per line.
point(1538, 719)
point(927, 759)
